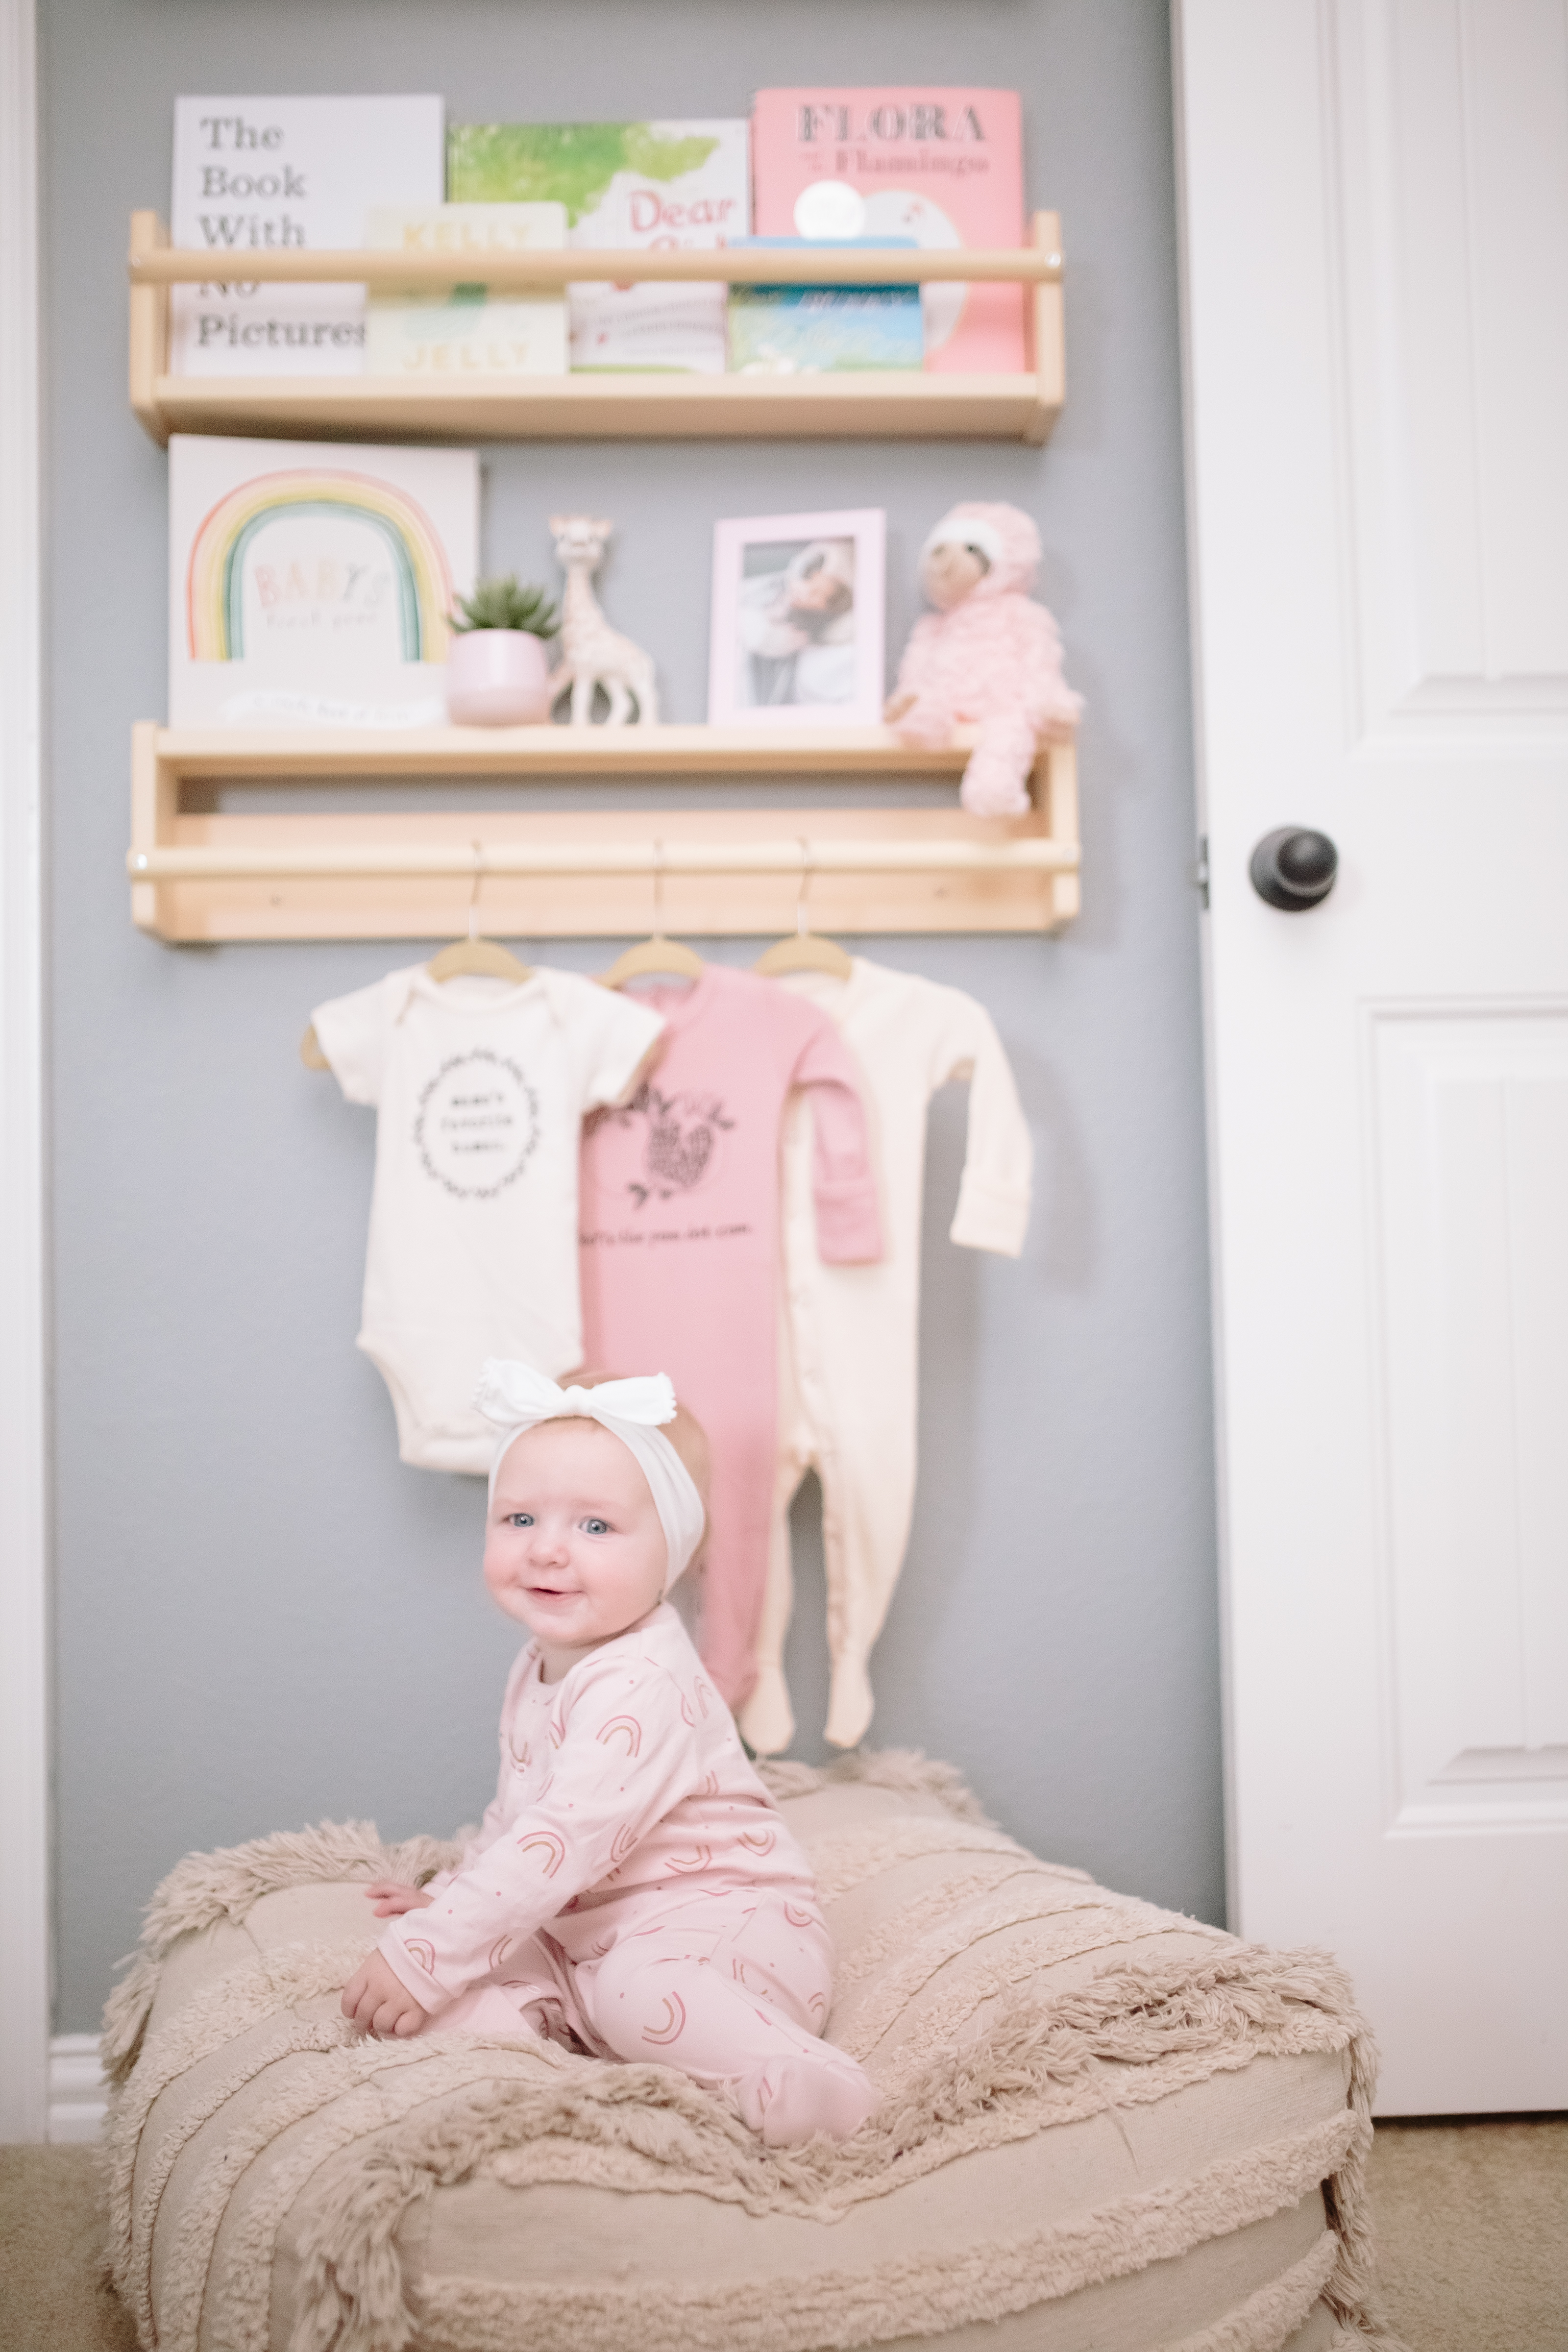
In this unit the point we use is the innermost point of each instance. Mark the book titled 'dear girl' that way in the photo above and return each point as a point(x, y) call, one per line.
point(943, 167)
point(639, 185)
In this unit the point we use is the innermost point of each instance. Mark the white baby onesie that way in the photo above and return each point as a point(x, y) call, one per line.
point(848, 1335)
point(481, 1087)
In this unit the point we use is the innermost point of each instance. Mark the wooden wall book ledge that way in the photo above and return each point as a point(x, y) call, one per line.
point(200, 875)
point(872, 405)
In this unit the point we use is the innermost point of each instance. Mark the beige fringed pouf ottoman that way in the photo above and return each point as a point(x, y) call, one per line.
point(1105, 2128)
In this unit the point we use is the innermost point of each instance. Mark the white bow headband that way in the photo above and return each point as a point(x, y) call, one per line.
point(517, 1398)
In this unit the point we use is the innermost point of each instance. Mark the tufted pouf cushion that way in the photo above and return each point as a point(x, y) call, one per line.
point(1104, 2128)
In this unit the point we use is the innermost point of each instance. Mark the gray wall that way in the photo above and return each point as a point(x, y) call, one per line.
point(263, 1619)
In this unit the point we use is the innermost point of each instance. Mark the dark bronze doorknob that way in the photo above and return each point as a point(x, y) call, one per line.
point(1294, 869)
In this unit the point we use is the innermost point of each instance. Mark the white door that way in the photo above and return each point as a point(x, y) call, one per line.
point(1375, 198)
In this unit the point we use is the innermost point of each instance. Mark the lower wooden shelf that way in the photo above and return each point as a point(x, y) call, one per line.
point(200, 875)
point(216, 754)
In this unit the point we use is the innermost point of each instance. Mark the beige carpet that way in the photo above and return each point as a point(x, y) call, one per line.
point(1472, 2221)
point(52, 2297)
point(1472, 2229)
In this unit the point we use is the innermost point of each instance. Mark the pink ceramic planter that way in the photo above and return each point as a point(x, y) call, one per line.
point(497, 678)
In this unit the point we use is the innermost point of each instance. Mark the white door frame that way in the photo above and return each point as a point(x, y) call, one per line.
point(25, 1825)
point(1201, 872)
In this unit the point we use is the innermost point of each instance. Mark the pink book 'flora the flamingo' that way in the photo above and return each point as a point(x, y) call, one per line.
point(943, 167)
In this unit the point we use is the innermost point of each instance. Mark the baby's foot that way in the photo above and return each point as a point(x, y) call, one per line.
point(794, 2098)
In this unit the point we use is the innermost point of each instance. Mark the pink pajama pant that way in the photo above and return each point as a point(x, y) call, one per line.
point(730, 1992)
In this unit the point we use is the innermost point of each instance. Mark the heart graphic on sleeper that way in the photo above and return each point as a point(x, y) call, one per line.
point(680, 1139)
point(677, 1155)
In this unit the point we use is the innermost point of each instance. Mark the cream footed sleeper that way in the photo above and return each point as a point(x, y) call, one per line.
point(848, 1335)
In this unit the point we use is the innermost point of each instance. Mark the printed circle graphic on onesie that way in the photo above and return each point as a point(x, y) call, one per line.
point(478, 1124)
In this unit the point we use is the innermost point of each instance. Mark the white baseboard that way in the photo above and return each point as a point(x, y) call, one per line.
point(78, 2093)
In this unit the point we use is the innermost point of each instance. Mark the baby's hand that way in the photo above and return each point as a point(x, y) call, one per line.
point(389, 1898)
point(377, 1999)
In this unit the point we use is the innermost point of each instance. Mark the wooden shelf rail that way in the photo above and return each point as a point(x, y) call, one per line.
point(202, 874)
point(732, 266)
point(796, 857)
point(869, 404)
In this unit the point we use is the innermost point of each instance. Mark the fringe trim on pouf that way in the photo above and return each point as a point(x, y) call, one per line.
point(1003, 2065)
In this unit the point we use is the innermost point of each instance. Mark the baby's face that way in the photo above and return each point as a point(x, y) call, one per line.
point(574, 1549)
point(821, 591)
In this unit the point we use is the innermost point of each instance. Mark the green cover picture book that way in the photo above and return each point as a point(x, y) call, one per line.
point(624, 185)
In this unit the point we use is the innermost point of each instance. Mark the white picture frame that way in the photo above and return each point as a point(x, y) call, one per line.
point(798, 631)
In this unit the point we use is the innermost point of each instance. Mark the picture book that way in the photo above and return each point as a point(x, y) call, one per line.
point(637, 185)
point(943, 167)
point(310, 583)
point(466, 330)
point(813, 330)
point(260, 174)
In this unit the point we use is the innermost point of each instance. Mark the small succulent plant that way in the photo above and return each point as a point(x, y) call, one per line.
point(503, 604)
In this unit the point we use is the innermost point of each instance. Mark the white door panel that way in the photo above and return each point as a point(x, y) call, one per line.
point(1471, 1119)
point(1375, 236)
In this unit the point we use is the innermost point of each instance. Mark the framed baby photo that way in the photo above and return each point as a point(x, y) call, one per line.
point(798, 620)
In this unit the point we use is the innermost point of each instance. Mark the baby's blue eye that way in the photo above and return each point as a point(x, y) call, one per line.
point(519, 1518)
point(597, 1526)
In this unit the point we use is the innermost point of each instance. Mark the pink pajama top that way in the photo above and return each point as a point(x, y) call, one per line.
point(625, 1795)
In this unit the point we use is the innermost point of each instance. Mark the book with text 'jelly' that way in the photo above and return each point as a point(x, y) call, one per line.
point(271, 174)
point(636, 186)
point(943, 167)
point(469, 329)
point(311, 582)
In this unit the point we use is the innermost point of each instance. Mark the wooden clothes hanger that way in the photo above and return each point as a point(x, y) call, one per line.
point(656, 954)
point(805, 950)
point(484, 959)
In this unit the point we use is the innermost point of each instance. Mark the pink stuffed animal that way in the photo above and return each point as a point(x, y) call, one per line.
point(988, 655)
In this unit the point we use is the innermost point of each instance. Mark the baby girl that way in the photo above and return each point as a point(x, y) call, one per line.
point(632, 1886)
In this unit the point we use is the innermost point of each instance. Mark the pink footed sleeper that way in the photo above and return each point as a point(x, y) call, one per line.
point(634, 1883)
point(680, 1248)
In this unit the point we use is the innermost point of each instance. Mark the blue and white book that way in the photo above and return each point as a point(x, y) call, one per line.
point(818, 329)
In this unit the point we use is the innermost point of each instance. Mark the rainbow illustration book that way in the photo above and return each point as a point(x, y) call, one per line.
point(311, 584)
point(264, 174)
point(942, 166)
point(626, 185)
